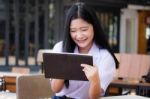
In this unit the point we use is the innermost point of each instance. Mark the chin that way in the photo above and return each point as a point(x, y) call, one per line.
point(82, 46)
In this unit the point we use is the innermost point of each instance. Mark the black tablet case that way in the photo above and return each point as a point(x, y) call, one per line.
point(65, 66)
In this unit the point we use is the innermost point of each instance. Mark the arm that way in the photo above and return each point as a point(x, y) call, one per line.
point(91, 73)
point(95, 90)
point(57, 84)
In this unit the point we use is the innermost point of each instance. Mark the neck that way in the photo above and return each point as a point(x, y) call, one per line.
point(85, 50)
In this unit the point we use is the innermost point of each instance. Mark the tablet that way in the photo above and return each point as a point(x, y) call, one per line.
point(65, 65)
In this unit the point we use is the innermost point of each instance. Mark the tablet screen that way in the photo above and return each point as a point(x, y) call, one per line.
point(65, 65)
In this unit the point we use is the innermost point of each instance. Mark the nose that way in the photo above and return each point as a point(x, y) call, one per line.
point(79, 35)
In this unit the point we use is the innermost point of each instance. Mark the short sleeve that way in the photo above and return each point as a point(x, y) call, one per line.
point(106, 67)
point(58, 47)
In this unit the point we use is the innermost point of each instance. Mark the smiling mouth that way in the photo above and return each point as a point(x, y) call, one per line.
point(81, 41)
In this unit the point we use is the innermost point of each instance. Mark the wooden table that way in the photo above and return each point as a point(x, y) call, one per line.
point(7, 95)
point(129, 84)
point(125, 83)
point(125, 97)
point(9, 80)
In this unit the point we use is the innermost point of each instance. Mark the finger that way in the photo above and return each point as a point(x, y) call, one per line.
point(84, 65)
point(86, 69)
point(94, 65)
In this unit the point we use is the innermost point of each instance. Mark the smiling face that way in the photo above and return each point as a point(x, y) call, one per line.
point(82, 34)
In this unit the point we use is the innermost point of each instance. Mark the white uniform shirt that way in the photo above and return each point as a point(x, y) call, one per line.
point(106, 68)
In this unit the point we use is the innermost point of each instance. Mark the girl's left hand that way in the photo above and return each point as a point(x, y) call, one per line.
point(91, 72)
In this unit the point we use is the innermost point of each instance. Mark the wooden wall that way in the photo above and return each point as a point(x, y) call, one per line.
point(142, 43)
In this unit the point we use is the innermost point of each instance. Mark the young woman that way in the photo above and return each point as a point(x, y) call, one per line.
point(83, 34)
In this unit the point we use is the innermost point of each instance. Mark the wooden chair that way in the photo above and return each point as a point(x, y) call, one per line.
point(40, 57)
point(33, 87)
point(117, 55)
point(21, 70)
point(132, 66)
point(124, 65)
point(10, 81)
point(145, 65)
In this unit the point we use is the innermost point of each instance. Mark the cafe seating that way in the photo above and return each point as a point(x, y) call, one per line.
point(9, 78)
point(22, 70)
point(1, 83)
point(40, 57)
point(33, 87)
point(132, 68)
point(143, 90)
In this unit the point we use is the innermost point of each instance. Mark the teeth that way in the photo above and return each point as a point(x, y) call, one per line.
point(81, 41)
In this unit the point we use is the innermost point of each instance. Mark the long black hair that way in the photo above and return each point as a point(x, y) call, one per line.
point(81, 10)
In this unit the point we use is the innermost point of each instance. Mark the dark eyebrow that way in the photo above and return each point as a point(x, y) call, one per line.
point(84, 26)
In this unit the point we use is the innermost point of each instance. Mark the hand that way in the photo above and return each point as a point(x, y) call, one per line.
point(91, 73)
point(57, 85)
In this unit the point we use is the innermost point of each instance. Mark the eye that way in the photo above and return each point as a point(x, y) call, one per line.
point(84, 29)
point(72, 31)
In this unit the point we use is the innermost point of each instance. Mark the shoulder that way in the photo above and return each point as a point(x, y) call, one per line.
point(105, 63)
point(58, 47)
point(105, 57)
point(106, 54)
point(101, 54)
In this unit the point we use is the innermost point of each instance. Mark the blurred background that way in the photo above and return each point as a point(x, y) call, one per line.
point(29, 25)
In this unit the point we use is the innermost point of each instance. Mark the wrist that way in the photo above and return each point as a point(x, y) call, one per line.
point(96, 80)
